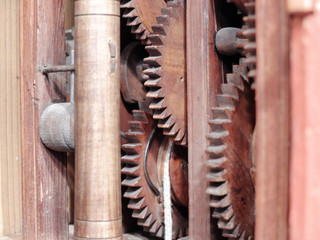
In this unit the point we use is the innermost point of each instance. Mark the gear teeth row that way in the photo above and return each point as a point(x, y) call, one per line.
point(155, 71)
point(132, 161)
point(250, 48)
point(219, 186)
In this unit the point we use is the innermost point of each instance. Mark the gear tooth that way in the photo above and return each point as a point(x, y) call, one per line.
point(220, 116)
point(216, 163)
point(131, 146)
point(154, 61)
point(252, 74)
point(137, 29)
point(139, 115)
point(156, 39)
point(243, 235)
point(160, 232)
point(217, 135)
point(133, 193)
point(180, 137)
point(154, 227)
point(216, 150)
point(156, 104)
point(166, 11)
point(130, 13)
point(225, 213)
point(143, 36)
point(154, 50)
point(133, 21)
point(153, 72)
point(152, 83)
point(146, 222)
point(165, 123)
point(172, 131)
point(183, 141)
point(230, 90)
point(250, 47)
point(131, 170)
point(232, 233)
point(220, 202)
point(127, 4)
point(251, 60)
point(130, 181)
point(172, 3)
point(235, 79)
point(163, 19)
point(154, 93)
point(140, 213)
point(227, 225)
point(218, 190)
point(217, 176)
point(160, 114)
point(159, 29)
point(225, 101)
point(131, 159)
point(137, 203)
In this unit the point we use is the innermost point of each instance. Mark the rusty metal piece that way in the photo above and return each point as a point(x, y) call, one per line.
point(53, 69)
point(167, 71)
point(230, 41)
point(250, 47)
point(231, 187)
point(132, 76)
point(56, 127)
point(141, 16)
point(143, 168)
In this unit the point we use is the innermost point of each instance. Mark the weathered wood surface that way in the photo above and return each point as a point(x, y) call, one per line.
point(204, 77)
point(272, 110)
point(43, 172)
point(10, 157)
point(305, 118)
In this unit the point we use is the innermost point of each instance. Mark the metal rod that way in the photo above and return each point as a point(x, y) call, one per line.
point(97, 103)
point(52, 69)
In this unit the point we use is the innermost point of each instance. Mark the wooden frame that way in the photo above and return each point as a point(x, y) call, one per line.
point(43, 172)
point(272, 111)
point(203, 77)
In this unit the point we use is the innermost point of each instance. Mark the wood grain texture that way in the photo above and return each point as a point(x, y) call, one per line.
point(305, 119)
point(272, 110)
point(204, 77)
point(10, 157)
point(43, 172)
point(97, 99)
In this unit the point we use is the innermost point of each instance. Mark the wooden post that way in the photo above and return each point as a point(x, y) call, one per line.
point(272, 109)
point(203, 77)
point(43, 171)
point(305, 118)
point(97, 88)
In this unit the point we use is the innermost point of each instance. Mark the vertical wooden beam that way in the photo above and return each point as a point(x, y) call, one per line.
point(203, 78)
point(10, 158)
point(272, 97)
point(305, 120)
point(43, 172)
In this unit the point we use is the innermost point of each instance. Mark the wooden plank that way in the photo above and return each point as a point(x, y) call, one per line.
point(305, 119)
point(10, 120)
point(203, 78)
point(43, 172)
point(272, 106)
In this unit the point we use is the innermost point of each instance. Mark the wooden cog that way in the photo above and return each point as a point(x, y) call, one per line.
point(147, 206)
point(230, 184)
point(141, 15)
point(167, 71)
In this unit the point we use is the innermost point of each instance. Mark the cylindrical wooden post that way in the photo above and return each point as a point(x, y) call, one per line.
point(97, 96)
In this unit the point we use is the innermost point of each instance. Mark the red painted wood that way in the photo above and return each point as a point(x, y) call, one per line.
point(43, 172)
point(305, 128)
